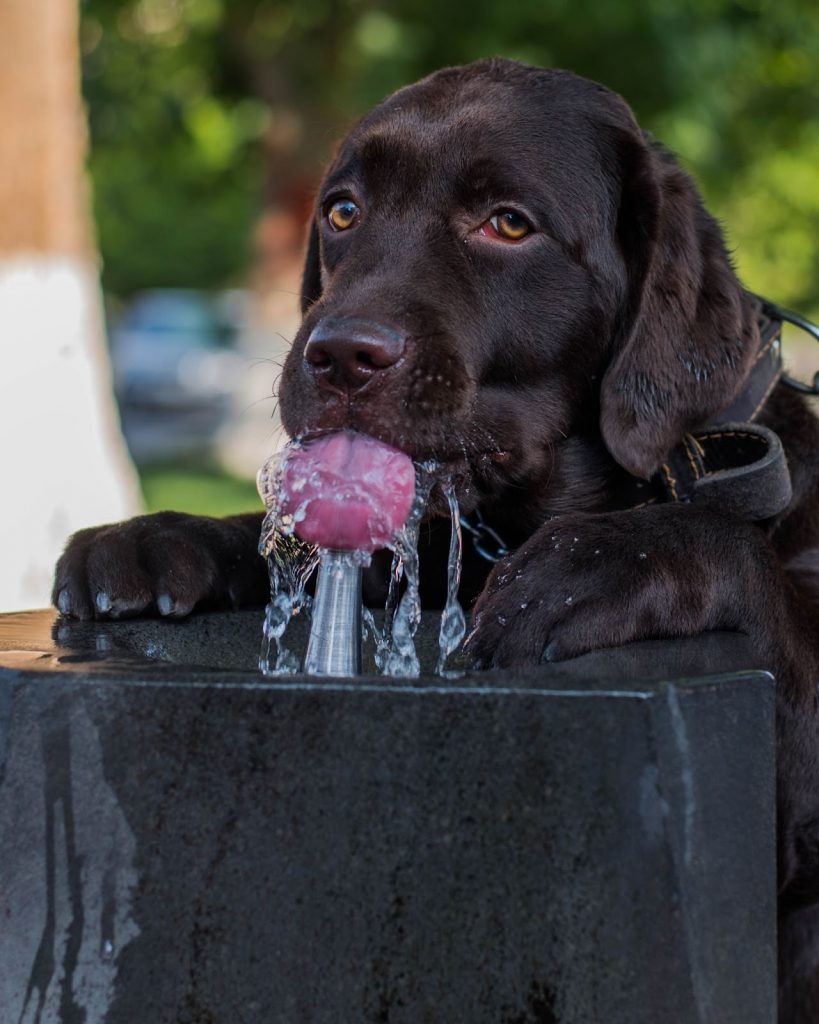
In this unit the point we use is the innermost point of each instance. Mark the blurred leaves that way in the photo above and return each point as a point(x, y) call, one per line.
point(201, 110)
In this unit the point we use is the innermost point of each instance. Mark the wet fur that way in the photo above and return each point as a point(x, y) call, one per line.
point(543, 374)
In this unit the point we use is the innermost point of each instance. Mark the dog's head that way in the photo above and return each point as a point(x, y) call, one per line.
point(499, 260)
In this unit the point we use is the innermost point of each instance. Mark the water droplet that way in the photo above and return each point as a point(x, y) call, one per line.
point(568, 599)
point(501, 620)
point(597, 551)
point(107, 951)
point(642, 555)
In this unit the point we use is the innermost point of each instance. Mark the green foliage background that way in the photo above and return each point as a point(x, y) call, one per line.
point(201, 110)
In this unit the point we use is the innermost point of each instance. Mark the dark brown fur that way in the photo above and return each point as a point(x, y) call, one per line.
point(542, 374)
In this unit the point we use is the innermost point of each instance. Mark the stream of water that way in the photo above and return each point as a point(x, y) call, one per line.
point(453, 623)
point(395, 650)
point(291, 562)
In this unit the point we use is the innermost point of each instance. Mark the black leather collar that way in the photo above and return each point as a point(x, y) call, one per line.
point(738, 467)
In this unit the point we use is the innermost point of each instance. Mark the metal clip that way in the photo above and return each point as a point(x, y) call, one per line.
point(486, 541)
point(809, 328)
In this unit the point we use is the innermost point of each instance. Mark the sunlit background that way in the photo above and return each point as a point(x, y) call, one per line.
point(204, 127)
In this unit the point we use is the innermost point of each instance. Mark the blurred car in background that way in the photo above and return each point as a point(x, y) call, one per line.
point(175, 369)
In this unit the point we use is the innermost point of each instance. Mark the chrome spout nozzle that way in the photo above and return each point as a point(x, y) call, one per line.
point(334, 647)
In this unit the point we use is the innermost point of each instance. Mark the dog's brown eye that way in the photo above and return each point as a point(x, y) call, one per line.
point(509, 224)
point(343, 214)
point(505, 226)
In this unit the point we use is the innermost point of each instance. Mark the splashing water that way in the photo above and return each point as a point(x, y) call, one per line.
point(397, 644)
point(383, 638)
point(453, 623)
point(290, 563)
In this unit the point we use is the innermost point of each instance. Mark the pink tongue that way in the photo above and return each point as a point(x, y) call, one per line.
point(348, 491)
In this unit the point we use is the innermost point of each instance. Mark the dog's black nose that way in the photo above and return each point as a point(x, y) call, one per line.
point(348, 351)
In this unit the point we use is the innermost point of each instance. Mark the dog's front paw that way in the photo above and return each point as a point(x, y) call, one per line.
point(585, 582)
point(167, 564)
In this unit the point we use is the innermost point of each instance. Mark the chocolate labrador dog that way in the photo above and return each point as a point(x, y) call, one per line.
point(505, 275)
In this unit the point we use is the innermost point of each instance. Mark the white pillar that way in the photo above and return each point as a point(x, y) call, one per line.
point(63, 461)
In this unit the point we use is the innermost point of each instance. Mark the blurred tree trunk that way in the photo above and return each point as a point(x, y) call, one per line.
point(64, 461)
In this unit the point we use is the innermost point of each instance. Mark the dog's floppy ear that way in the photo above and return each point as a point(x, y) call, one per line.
point(687, 335)
point(311, 278)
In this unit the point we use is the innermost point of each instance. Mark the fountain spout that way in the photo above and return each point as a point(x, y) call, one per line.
point(334, 648)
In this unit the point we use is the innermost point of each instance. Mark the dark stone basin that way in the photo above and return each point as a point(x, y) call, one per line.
point(185, 842)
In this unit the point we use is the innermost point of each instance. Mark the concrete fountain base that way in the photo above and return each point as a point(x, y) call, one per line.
point(185, 842)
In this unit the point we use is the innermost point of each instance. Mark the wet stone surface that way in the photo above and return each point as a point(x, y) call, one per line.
point(183, 841)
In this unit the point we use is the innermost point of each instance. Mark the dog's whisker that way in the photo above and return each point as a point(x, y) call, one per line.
point(282, 291)
point(258, 401)
point(260, 360)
